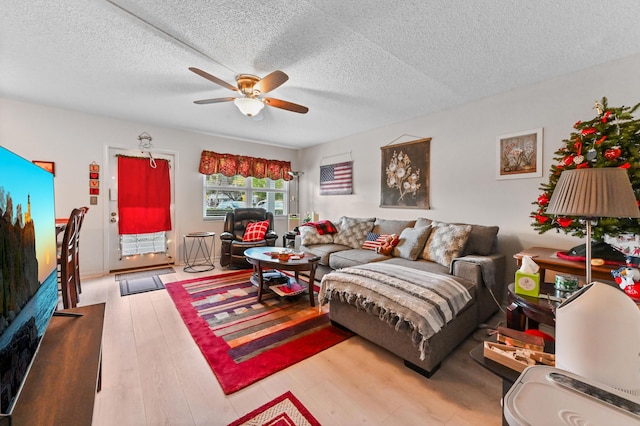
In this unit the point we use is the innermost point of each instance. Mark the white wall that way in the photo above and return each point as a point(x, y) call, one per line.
point(463, 152)
point(73, 140)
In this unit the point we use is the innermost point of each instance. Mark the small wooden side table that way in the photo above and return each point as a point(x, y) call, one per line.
point(534, 310)
point(546, 258)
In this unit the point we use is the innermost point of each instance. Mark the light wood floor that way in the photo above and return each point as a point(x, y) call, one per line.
point(154, 374)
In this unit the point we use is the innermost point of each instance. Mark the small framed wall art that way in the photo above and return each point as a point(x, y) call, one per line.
point(519, 155)
point(49, 166)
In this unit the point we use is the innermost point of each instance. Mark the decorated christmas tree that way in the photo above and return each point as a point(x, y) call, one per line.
point(611, 139)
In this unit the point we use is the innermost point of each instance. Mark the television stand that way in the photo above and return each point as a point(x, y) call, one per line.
point(65, 375)
point(67, 314)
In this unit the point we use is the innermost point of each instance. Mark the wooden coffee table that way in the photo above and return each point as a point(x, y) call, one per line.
point(261, 259)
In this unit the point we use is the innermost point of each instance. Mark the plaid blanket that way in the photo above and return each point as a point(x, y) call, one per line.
point(417, 301)
point(323, 227)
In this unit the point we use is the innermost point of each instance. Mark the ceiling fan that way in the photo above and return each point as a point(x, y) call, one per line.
point(250, 88)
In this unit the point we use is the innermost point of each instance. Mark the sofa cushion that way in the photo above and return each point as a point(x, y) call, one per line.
point(411, 243)
point(353, 231)
point(388, 227)
point(355, 257)
point(482, 240)
point(445, 242)
point(309, 236)
point(323, 251)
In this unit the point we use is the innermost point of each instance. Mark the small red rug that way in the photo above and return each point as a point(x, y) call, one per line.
point(244, 341)
point(285, 410)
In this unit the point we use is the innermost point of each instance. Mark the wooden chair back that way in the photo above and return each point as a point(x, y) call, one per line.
point(68, 259)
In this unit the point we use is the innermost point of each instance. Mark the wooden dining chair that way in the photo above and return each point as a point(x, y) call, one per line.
point(68, 259)
point(84, 209)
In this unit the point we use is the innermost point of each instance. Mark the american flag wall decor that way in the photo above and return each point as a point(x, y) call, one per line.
point(336, 179)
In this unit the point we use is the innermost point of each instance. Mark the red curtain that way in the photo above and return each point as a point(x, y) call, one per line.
point(231, 165)
point(144, 196)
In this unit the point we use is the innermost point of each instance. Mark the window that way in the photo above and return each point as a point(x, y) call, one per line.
point(223, 193)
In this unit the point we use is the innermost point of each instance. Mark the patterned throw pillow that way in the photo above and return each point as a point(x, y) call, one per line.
point(446, 242)
point(353, 231)
point(309, 236)
point(256, 231)
point(373, 241)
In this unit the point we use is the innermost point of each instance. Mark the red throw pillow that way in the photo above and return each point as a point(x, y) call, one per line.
point(256, 231)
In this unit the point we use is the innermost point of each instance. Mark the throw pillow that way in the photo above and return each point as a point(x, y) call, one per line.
point(446, 242)
point(373, 241)
point(412, 241)
point(482, 240)
point(422, 221)
point(353, 231)
point(323, 226)
point(255, 231)
point(309, 236)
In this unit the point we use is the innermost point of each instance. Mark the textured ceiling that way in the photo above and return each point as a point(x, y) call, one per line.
point(357, 65)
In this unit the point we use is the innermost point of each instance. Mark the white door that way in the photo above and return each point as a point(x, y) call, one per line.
point(116, 261)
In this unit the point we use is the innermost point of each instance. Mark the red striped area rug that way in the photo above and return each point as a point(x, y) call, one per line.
point(243, 340)
point(285, 410)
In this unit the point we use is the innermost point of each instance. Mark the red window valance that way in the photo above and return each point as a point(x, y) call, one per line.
point(231, 165)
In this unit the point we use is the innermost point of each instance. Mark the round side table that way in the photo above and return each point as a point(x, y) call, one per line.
point(198, 255)
point(531, 310)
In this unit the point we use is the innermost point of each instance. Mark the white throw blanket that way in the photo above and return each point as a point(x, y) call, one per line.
point(422, 302)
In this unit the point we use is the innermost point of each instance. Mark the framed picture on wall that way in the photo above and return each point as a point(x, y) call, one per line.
point(519, 155)
point(49, 166)
point(405, 175)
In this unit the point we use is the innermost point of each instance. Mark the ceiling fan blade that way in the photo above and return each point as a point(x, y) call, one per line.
point(213, 79)
point(213, 101)
point(289, 106)
point(271, 81)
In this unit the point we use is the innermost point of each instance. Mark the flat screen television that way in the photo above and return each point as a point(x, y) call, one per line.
point(28, 274)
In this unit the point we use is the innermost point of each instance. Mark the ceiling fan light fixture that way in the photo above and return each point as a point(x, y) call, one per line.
point(249, 106)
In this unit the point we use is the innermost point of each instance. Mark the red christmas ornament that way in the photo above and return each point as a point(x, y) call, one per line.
point(612, 153)
point(568, 160)
point(606, 116)
point(625, 166)
point(602, 139)
point(541, 219)
point(564, 221)
point(575, 126)
point(582, 166)
point(543, 200)
point(588, 131)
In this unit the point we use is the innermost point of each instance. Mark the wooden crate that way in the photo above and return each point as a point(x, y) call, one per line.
point(507, 361)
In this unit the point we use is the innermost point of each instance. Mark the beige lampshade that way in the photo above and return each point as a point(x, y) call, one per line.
point(596, 192)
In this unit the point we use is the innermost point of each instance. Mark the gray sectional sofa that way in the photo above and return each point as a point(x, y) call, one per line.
point(464, 253)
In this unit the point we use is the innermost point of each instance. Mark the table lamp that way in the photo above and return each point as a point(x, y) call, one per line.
point(591, 194)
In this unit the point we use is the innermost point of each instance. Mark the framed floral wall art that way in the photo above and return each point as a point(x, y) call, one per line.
point(519, 155)
point(405, 175)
